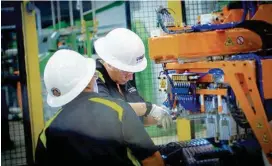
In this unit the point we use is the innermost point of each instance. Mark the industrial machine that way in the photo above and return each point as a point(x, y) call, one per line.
point(220, 70)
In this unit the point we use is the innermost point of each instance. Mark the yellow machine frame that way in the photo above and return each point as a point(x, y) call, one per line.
point(33, 74)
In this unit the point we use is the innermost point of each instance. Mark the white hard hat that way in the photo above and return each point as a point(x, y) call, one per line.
point(122, 49)
point(66, 75)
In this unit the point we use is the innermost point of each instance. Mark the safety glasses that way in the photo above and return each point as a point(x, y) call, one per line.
point(125, 73)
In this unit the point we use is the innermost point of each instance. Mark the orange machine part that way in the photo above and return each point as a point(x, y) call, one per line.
point(264, 13)
point(203, 44)
point(222, 92)
point(227, 16)
point(267, 78)
point(19, 92)
point(233, 15)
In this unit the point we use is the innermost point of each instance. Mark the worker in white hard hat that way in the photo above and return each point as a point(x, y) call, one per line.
point(89, 129)
point(122, 53)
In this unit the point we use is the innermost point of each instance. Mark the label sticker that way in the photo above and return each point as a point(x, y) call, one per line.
point(139, 59)
point(163, 84)
point(132, 89)
point(55, 92)
point(240, 40)
point(228, 42)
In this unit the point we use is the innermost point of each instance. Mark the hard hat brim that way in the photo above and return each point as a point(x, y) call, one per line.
point(104, 54)
point(54, 101)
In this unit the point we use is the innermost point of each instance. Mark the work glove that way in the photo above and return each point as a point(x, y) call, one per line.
point(162, 116)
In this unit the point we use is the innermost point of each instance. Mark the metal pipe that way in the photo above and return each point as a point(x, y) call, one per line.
point(39, 22)
point(81, 11)
point(101, 7)
point(71, 13)
point(58, 12)
point(53, 14)
point(128, 14)
point(93, 11)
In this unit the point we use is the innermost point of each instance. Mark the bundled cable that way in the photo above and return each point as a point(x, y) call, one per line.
point(164, 17)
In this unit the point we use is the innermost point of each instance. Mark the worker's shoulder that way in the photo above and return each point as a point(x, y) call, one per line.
point(106, 99)
point(111, 102)
point(121, 107)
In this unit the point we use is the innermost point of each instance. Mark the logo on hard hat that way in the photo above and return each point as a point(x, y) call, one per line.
point(139, 59)
point(55, 92)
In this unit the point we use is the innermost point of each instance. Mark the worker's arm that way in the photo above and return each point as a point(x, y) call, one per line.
point(137, 139)
point(139, 108)
point(156, 114)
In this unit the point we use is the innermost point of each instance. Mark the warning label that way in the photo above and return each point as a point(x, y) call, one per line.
point(240, 40)
point(229, 42)
point(163, 84)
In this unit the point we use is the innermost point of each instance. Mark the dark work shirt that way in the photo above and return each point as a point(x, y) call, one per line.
point(94, 130)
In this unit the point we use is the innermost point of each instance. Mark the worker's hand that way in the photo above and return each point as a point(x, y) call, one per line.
point(162, 116)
